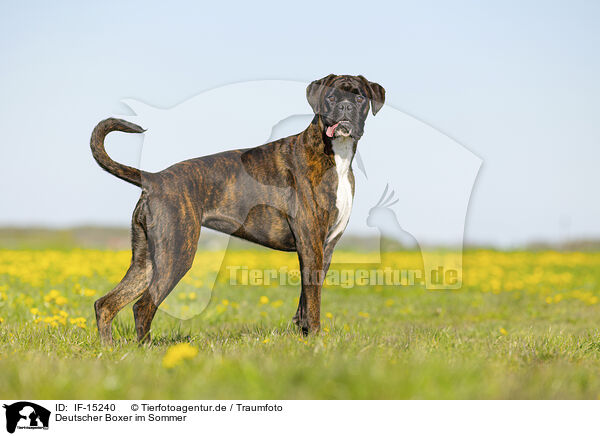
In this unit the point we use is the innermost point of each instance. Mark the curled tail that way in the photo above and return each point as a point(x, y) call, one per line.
point(124, 172)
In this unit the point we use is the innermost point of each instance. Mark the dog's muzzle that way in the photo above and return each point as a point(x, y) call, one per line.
point(341, 128)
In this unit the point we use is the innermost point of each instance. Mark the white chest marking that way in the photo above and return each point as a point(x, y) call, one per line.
point(342, 149)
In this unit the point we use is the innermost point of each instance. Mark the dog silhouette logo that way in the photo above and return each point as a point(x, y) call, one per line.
point(428, 177)
point(26, 415)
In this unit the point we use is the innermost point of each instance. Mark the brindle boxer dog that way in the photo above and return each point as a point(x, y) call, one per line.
point(300, 200)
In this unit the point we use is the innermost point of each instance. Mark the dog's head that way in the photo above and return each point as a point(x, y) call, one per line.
point(343, 103)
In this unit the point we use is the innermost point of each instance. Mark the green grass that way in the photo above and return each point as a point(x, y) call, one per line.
point(464, 344)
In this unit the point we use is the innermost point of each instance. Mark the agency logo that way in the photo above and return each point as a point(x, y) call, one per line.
point(26, 415)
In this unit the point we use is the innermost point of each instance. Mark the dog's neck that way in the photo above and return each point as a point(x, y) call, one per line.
point(341, 145)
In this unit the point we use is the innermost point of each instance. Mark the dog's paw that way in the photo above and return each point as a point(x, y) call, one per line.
point(305, 326)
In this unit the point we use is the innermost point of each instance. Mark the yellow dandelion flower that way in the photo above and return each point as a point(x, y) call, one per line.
point(503, 331)
point(266, 341)
point(89, 292)
point(192, 296)
point(225, 302)
point(549, 300)
point(277, 304)
point(61, 301)
point(329, 315)
point(79, 322)
point(1, 320)
point(363, 314)
point(178, 353)
point(264, 300)
point(34, 311)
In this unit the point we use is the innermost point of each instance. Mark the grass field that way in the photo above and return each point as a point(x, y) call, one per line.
point(524, 325)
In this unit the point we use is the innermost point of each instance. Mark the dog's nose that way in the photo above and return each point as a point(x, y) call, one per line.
point(345, 106)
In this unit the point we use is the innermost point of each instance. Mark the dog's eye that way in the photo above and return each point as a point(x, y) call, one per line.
point(359, 98)
point(331, 98)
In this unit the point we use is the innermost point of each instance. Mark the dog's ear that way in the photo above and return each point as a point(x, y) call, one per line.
point(376, 94)
point(314, 91)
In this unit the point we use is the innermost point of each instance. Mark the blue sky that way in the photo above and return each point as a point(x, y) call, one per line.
point(514, 82)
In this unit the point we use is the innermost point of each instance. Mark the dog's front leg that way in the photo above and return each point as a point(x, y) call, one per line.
point(327, 255)
point(311, 258)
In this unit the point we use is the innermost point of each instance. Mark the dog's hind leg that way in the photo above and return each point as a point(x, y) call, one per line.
point(173, 243)
point(134, 283)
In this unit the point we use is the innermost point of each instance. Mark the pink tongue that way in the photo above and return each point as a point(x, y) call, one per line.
point(331, 130)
